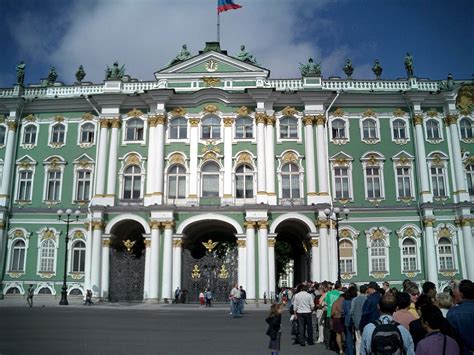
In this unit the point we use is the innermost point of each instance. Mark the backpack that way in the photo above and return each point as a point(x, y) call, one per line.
point(386, 338)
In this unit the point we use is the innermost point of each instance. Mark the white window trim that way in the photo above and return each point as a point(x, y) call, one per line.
point(171, 161)
point(201, 180)
point(407, 130)
point(44, 234)
point(168, 130)
point(441, 131)
point(297, 159)
point(254, 130)
point(48, 164)
point(340, 141)
point(29, 145)
point(20, 166)
point(6, 135)
point(56, 145)
point(450, 232)
point(124, 130)
point(14, 235)
point(404, 160)
point(84, 162)
point(335, 161)
point(377, 130)
point(465, 140)
point(352, 236)
point(125, 163)
point(410, 231)
point(439, 160)
point(75, 235)
point(241, 158)
point(205, 141)
point(79, 134)
point(47, 285)
point(378, 233)
point(299, 127)
point(374, 160)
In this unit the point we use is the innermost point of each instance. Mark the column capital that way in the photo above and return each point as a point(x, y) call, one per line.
point(194, 122)
point(154, 224)
point(177, 243)
point(241, 243)
point(98, 225)
point(228, 121)
point(106, 242)
point(308, 120)
point(153, 121)
point(322, 223)
point(168, 224)
point(314, 242)
point(260, 117)
point(463, 221)
point(115, 122)
point(429, 221)
point(147, 243)
point(270, 120)
point(271, 243)
point(250, 224)
point(320, 120)
point(451, 119)
point(2, 225)
point(104, 122)
point(12, 125)
point(262, 224)
point(417, 119)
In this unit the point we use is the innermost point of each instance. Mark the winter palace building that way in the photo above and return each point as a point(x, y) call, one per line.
point(213, 173)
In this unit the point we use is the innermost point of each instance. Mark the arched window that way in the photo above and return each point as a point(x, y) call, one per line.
point(3, 134)
point(290, 181)
point(211, 127)
point(29, 135)
point(470, 178)
point(78, 256)
point(75, 292)
point(244, 182)
point(467, 128)
point(399, 129)
point(409, 262)
point(338, 129)
point(17, 259)
point(432, 129)
point(178, 128)
point(53, 185)
point(243, 128)
point(134, 130)
point(378, 254)
point(288, 128)
point(177, 182)
point(445, 254)
point(87, 133)
point(132, 179)
point(44, 291)
point(369, 129)
point(13, 291)
point(48, 253)
point(57, 133)
point(346, 259)
point(210, 180)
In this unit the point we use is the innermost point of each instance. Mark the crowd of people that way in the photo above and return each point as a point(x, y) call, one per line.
point(369, 319)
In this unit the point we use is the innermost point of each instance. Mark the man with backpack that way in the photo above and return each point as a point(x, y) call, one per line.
point(385, 336)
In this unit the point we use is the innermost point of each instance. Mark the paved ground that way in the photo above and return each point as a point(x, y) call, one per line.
point(48, 328)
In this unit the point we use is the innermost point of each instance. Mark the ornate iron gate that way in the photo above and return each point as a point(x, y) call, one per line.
point(213, 271)
point(126, 276)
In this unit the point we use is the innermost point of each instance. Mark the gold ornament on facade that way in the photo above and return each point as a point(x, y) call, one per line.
point(448, 273)
point(429, 221)
point(29, 118)
point(270, 120)
point(223, 273)
point(87, 116)
point(177, 243)
point(54, 163)
point(450, 119)
point(260, 117)
point(409, 232)
point(25, 164)
point(2, 225)
point(403, 161)
point(178, 111)
point(210, 108)
point(345, 233)
point(314, 243)
point(271, 243)
point(432, 113)
point(308, 120)
point(322, 223)
point(48, 234)
point(18, 234)
point(228, 121)
point(399, 112)
point(289, 111)
point(341, 162)
point(128, 244)
point(154, 224)
point(194, 122)
point(195, 273)
point(97, 225)
point(106, 242)
point(418, 119)
point(210, 156)
point(444, 232)
point(249, 224)
point(262, 224)
point(168, 224)
point(176, 158)
point(241, 243)
point(11, 125)
point(2, 119)
point(76, 275)
point(372, 161)
point(465, 99)
point(339, 112)
point(465, 221)
point(83, 163)
point(210, 245)
point(346, 276)
point(437, 161)
point(242, 111)
point(59, 118)
point(147, 243)
point(135, 113)
point(132, 159)
point(211, 65)
point(289, 157)
point(244, 158)
point(410, 274)
point(378, 275)
point(115, 122)
point(46, 274)
point(369, 113)
point(320, 120)
point(104, 123)
point(377, 234)
point(78, 235)
point(211, 81)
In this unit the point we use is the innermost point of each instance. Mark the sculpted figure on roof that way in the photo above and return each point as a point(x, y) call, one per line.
point(182, 55)
point(409, 65)
point(115, 72)
point(310, 69)
point(80, 74)
point(377, 69)
point(20, 73)
point(52, 75)
point(348, 68)
point(245, 56)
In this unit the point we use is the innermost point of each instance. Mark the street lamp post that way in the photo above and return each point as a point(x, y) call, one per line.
point(67, 219)
point(336, 212)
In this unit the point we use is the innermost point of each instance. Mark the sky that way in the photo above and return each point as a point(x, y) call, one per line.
point(145, 35)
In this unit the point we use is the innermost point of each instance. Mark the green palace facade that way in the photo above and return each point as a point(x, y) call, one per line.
point(213, 173)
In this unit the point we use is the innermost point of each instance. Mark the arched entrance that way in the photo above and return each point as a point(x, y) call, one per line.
point(127, 262)
point(209, 259)
point(292, 253)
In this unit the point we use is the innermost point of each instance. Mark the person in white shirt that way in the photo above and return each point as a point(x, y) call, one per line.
point(303, 305)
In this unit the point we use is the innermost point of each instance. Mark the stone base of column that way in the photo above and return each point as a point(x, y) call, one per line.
point(153, 200)
point(227, 201)
point(103, 201)
point(462, 196)
point(426, 197)
point(152, 301)
point(312, 198)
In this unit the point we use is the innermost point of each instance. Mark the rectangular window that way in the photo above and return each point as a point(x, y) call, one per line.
point(79, 260)
point(53, 186)
point(373, 182)
point(378, 264)
point(341, 180)
point(346, 265)
point(24, 185)
point(438, 181)
point(47, 260)
point(18, 259)
point(404, 182)
point(83, 185)
point(177, 188)
point(210, 186)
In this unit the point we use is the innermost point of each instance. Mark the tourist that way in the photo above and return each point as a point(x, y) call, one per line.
point(331, 297)
point(461, 317)
point(370, 311)
point(243, 299)
point(208, 296)
point(235, 301)
point(349, 297)
point(274, 324)
point(88, 298)
point(356, 313)
point(444, 302)
point(201, 299)
point(414, 292)
point(402, 315)
point(321, 312)
point(303, 305)
point(429, 289)
point(29, 295)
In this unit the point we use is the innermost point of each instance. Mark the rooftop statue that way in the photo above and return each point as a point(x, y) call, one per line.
point(377, 69)
point(115, 72)
point(447, 85)
point(80, 74)
point(348, 68)
point(182, 55)
point(310, 69)
point(52, 75)
point(409, 65)
point(20, 73)
point(246, 56)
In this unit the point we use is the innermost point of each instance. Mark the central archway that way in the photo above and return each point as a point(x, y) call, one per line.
point(209, 259)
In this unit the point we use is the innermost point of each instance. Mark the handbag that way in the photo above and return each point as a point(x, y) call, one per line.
point(295, 330)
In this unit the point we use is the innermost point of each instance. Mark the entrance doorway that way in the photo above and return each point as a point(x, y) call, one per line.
point(127, 262)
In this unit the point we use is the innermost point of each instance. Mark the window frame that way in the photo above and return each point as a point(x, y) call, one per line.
point(179, 177)
point(32, 136)
point(215, 128)
point(441, 256)
point(133, 135)
point(296, 128)
point(374, 132)
point(82, 256)
point(395, 130)
point(57, 134)
point(91, 134)
point(429, 130)
point(206, 174)
point(178, 127)
point(245, 175)
point(245, 128)
point(132, 176)
point(3, 137)
point(466, 129)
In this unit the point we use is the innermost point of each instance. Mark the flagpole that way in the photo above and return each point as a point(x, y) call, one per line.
point(218, 27)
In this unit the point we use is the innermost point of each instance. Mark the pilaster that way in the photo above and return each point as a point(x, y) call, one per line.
point(260, 117)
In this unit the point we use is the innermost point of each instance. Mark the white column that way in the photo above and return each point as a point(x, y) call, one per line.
point(146, 281)
point(177, 254)
point(322, 158)
point(113, 151)
point(332, 246)
point(154, 260)
point(250, 258)
point(8, 164)
point(271, 268)
point(459, 174)
point(421, 160)
point(3, 243)
point(151, 161)
point(227, 198)
point(324, 250)
point(193, 158)
point(102, 158)
point(270, 160)
point(96, 258)
point(468, 246)
point(315, 260)
point(309, 157)
point(261, 179)
point(242, 260)
point(105, 268)
point(167, 291)
point(160, 157)
point(431, 264)
point(88, 263)
point(263, 259)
